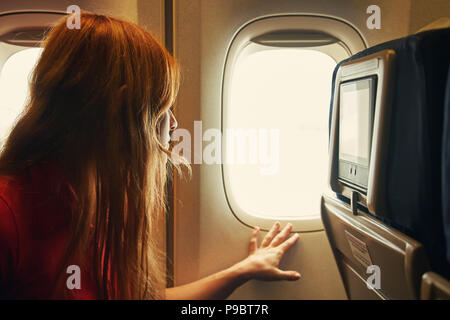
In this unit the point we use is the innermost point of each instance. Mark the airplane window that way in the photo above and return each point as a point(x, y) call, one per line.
point(282, 92)
point(14, 87)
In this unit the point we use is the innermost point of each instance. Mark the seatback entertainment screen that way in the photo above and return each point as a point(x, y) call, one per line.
point(356, 109)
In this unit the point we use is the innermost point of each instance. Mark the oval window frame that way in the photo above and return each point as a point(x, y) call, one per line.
point(335, 37)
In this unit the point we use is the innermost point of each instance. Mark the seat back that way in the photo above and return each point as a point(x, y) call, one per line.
point(409, 239)
point(361, 241)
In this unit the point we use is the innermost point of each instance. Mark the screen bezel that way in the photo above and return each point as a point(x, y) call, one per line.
point(383, 65)
point(353, 173)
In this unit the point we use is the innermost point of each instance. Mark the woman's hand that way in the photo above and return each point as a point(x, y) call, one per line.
point(261, 264)
point(263, 261)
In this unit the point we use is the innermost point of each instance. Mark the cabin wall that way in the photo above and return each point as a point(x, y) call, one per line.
point(423, 12)
point(207, 235)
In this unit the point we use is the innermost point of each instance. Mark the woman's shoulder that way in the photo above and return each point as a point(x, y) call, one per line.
point(10, 187)
point(39, 177)
point(33, 229)
point(9, 237)
point(36, 192)
point(6, 213)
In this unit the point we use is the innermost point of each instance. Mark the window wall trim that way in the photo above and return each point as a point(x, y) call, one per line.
point(28, 24)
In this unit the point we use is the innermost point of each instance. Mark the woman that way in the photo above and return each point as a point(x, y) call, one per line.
point(83, 174)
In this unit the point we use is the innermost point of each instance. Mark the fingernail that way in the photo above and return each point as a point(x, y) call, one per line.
point(296, 276)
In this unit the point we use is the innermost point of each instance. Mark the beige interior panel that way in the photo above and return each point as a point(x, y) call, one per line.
point(359, 241)
point(434, 287)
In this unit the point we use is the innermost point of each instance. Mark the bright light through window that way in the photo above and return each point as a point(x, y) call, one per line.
point(288, 90)
point(14, 87)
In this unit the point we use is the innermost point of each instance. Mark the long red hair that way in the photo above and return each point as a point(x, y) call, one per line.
point(96, 96)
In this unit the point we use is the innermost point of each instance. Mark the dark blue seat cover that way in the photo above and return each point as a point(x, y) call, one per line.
point(446, 167)
point(414, 168)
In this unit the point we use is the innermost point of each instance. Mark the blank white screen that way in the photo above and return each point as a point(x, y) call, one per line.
point(354, 123)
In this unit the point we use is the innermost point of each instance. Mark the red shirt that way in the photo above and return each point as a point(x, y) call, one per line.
point(34, 228)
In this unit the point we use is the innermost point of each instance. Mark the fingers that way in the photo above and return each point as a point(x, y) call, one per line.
point(270, 235)
point(281, 236)
point(254, 240)
point(289, 243)
point(288, 275)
